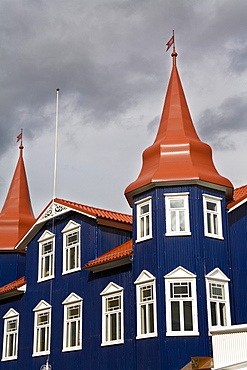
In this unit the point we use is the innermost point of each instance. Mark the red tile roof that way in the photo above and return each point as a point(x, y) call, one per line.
point(239, 195)
point(121, 251)
point(177, 154)
point(240, 192)
point(96, 212)
point(14, 285)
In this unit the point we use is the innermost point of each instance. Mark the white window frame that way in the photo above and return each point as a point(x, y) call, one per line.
point(183, 277)
point(73, 301)
point(144, 218)
point(222, 304)
point(146, 305)
point(42, 309)
point(169, 197)
point(46, 238)
point(71, 228)
point(209, 217)
point(10, 335)
point(112, 316)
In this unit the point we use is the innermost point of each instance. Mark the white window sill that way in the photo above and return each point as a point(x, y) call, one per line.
point(112, 343)
point(72, 349)
point(45, 279)
point(149, 335)
point(71, 271)
point(182, 334)
point(144, 239)
point(184, 233)
point(214, 236)
point(9, 358)
point(41, 354)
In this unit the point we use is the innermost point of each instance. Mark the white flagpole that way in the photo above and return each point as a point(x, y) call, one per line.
point(55, 157)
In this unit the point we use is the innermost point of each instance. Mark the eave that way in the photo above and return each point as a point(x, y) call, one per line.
point(15, 288)
point(116, 257)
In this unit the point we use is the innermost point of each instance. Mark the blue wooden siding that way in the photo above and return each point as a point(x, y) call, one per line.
point(238, 242)
point(12, 266)
point(159, 255)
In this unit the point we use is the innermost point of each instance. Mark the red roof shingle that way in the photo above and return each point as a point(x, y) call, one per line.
point(14, 285)
point(97, 212)
point(239, 195)
point(121, 251)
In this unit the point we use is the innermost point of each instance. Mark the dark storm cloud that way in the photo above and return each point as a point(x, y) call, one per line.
point(106, 55)
point(217, 125)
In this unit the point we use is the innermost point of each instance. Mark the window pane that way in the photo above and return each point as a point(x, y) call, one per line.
point(209, 223)
point(146, 293)
point(144, 209)
point(213, 313)
point(147, 225)
point(42, 346)
point(72, 258)
point(215, 221)
point(73, 312)
point(177, 203)
point(143, 319)
point(175, 316)
point(11, 325)
point(10, 345)
point(173, 221)
point(46, 247)
point(211, 206)
point(181, 221)
point(113, 303)
point(73, 334)
point(113, 326)
point(222, 308)
point(151, 317)
point(188, 323)
point(142, 227)
point(119, 325)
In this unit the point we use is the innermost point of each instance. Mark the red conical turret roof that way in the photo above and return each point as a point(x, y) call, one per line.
point(17, 215)
point(177, 154)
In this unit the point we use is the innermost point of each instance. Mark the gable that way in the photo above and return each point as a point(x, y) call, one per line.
point(111, 288)
point(217, 274)
point(11, 312)
point(180, 273)
point(73, 297)
point(144, 277)
point(71, 225)
point(42, 305)
point(46, 235)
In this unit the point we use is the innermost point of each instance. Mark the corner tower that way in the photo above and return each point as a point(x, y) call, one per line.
point(180, 238)
point(16, 216)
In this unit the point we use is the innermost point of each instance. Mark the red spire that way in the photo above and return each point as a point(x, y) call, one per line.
point(177, 154)
point(17, 215)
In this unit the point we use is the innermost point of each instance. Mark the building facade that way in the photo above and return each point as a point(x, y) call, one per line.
point(86, 288)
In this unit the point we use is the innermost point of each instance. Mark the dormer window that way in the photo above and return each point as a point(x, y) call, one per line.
point(144, 219)
point(177, 214)
point(71, 247)
point(46, 256)
point(212, 216)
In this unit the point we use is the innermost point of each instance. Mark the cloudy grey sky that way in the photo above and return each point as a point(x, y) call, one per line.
point(108, 59)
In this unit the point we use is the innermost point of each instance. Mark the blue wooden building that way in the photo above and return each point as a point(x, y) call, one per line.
point(86, 288)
